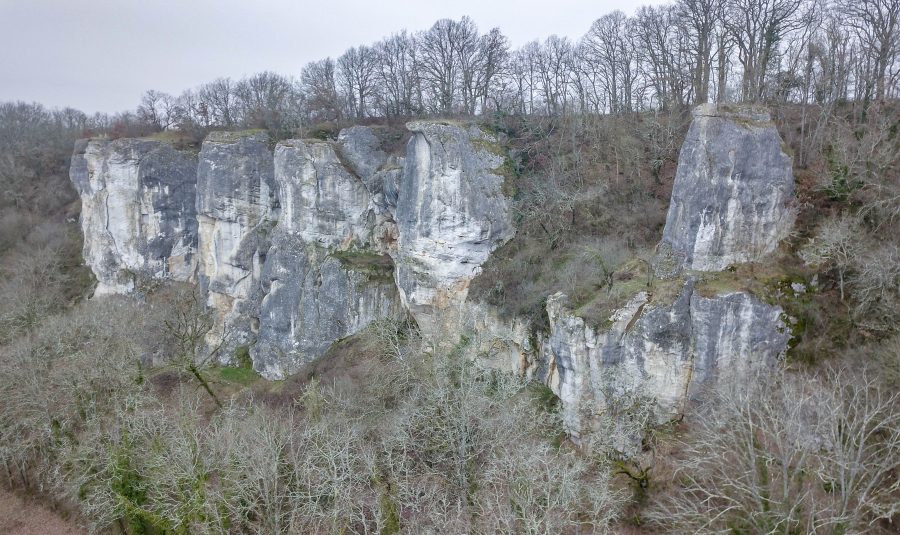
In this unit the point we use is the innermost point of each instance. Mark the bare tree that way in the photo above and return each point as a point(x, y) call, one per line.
point(357, 67)
point(158, 109)
point(553, 62)
point(493, 49)
point(441, 50)
point(609, 51)
point(837, 245)
point(787, 454)
point(267, 100)
point(400, 90)
point(876, 24)
point(701, 18)
point(758, 28)
point(219, 102)
point(318, 80)
point(662, 39)
point(523, 71)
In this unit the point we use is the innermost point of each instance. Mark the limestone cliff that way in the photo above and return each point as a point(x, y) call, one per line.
point(323, 279)
point(237, 204)
point(450, 215)
point(657, 354)
point(307, 243)
point(138, 210)
point(731, 201)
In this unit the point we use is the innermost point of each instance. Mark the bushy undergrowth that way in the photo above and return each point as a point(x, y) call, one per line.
point(430, 444)
point(590, 193)
point(789, 453)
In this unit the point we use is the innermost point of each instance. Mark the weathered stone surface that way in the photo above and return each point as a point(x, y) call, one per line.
point(731, 202)
point(362, 151)
point(322, 202)
point(450, 215)
point(322, 280)
point(655, 355)
point(237, 205)
point(314, 298)
point(138, 214)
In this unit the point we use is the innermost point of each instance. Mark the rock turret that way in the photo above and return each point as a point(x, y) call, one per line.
point(734, 187)
point(451, 214)
point(138, 210)
point(731, 203)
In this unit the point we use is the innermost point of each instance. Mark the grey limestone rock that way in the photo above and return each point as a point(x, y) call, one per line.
point(657, 354)
point(237, 205)
point(314, 297)
point(138, 210)
point(734, 186)
point(321, 201)
point(451, 214)
point(323, 280)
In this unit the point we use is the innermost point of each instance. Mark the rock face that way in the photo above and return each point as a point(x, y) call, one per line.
point(314, 298)
point(655, 355)
point(138, 210)
point(731, 202)
point(306, 244)
point(237, 205)
point(450, 215)
point(322, 279)
point(322, 201)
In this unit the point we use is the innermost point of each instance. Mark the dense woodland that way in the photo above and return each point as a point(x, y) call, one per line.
point(387, 434)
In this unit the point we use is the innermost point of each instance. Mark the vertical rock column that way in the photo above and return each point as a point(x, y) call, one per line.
point(138, 211)
point(731, 201)
point(324, 280)
point(451, 214)
point(237, 206)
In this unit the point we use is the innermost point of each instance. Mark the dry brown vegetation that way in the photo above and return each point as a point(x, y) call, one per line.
point(113, 408)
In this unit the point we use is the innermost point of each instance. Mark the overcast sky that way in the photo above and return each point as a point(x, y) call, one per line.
point(101, 55)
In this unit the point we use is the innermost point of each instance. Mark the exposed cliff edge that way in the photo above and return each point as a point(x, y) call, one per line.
point(307, 243)
point(655, 356)
point(138, 210)
point(731, 201)
point(451, 214)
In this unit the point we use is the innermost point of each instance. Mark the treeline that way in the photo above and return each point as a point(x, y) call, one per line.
point(40, 252)
point(687, 52)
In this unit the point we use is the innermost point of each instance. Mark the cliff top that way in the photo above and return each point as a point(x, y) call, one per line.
point(737, 112)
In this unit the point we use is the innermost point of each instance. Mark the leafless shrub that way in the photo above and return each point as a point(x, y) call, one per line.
point(76, 367)
point(789, 454)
